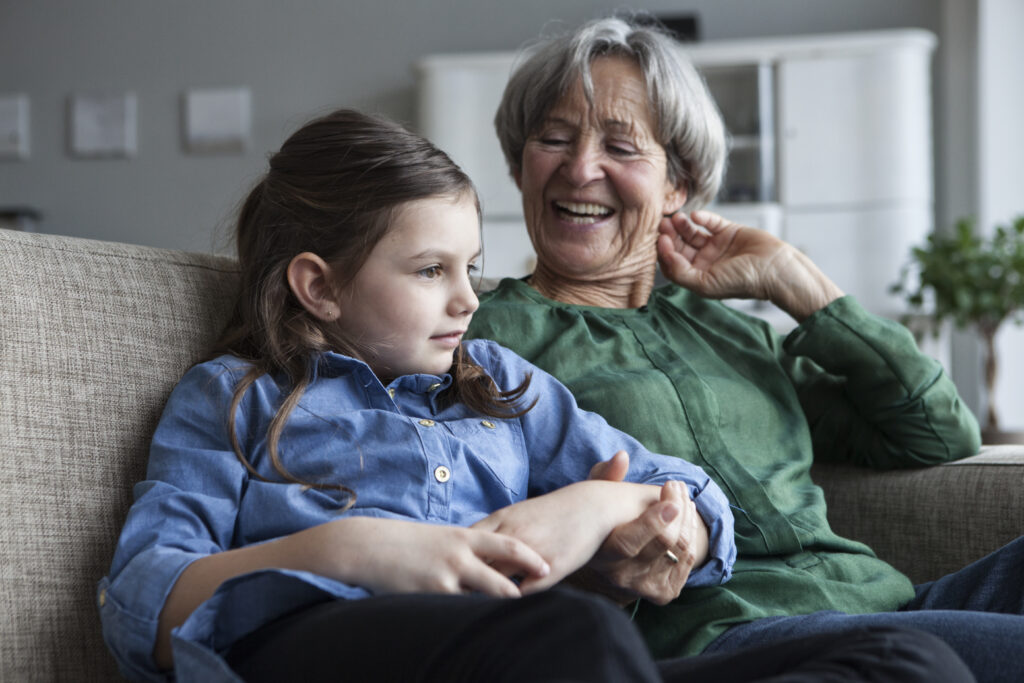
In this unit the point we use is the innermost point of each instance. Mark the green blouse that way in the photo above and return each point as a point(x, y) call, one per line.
point(698, 380)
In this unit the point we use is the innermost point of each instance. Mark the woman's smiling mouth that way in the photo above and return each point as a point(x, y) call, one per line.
point(581, 213)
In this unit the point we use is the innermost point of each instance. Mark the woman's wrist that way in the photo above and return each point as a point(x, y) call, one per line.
point(799, 287)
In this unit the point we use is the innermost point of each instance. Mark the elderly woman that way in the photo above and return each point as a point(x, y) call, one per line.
point(615, 143)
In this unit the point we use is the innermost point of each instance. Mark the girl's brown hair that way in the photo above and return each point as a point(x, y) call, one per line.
point(332, 189)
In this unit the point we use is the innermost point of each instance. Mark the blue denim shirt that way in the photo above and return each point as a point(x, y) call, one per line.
point(407, 453)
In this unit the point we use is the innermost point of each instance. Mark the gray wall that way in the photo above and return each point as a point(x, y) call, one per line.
point(298, 58)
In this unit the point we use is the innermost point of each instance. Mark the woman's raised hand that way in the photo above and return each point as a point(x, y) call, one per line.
point(715, 257)
point(719, 259)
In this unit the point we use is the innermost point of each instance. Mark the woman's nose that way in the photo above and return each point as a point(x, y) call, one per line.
point(582, 164)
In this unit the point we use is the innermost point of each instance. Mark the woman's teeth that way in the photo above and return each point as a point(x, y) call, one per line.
point(582, 214)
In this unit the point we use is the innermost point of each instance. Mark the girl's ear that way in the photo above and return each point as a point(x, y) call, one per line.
point(309, 278)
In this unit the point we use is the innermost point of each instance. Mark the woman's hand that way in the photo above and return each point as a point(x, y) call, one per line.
point(633, 561)
point(719, 259)
point(568, 526)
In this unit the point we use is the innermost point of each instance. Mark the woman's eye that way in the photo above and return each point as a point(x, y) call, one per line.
point(430, 272)
point(472, 269)
point(621, 149)
point(554, 142)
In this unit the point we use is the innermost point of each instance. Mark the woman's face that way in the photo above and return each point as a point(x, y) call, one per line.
point(595, 180)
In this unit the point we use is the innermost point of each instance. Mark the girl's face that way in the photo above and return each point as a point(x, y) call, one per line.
point(411, 302)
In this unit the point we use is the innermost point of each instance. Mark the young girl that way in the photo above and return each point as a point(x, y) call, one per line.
point(351, 491)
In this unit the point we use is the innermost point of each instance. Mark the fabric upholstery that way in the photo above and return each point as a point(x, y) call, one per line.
point(932, 521)
point(93, 335)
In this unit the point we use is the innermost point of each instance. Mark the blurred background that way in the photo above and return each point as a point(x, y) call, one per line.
point(146, 122)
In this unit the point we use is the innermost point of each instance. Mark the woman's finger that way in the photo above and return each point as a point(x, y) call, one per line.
point(674, 493)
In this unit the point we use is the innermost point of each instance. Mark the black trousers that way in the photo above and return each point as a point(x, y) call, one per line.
point(560, 635)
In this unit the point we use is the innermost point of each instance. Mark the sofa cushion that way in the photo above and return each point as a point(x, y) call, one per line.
point(93, 336)
point(932, 521)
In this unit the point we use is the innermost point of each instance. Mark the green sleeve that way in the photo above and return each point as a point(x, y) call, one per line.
point(871, 397)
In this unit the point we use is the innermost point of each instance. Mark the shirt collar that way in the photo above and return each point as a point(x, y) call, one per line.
point(331, 364)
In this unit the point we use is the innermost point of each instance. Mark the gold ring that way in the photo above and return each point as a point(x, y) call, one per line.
point(672, 557)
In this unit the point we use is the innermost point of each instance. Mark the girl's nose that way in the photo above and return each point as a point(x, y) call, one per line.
point(464, 300)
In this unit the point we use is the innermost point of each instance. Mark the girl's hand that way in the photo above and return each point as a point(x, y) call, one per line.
point(719, 259)
point(381, 555)
point(568, 526)
point(394, 556)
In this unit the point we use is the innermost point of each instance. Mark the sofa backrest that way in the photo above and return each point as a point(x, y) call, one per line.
point(93, 336)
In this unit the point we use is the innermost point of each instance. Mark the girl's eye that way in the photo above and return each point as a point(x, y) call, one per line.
point(430, 272)
point(472, 269)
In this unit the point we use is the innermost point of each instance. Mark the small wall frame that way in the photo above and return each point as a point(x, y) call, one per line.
point(102, 125)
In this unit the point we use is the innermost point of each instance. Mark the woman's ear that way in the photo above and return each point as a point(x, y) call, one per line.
point(675, 198)
point(309, 278)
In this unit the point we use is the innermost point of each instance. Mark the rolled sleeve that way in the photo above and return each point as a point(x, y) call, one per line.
point(185, 510)
point(870, 396)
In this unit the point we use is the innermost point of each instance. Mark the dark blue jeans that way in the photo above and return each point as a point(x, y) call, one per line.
point(978, 611)
point(559, 636)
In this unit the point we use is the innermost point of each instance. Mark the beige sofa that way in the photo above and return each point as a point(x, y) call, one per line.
point(93, 335)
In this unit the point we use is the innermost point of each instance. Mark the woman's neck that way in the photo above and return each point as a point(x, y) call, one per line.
point(612, 290)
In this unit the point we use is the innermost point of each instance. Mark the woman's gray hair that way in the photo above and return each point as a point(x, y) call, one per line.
point(689, 126)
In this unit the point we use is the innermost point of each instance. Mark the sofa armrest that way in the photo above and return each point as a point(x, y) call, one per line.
point(932, 521)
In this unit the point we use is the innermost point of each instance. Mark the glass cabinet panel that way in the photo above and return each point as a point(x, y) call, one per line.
point(744, 95)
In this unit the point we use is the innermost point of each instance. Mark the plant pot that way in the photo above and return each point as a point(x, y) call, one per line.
point(1000, 436)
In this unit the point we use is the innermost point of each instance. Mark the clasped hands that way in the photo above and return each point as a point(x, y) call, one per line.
point(609, 536)
point(603, 534)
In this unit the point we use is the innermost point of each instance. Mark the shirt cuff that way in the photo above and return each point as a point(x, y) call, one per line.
point(713, 507)
point(130, 607)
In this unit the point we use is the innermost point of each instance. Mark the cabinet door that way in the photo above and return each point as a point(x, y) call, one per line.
point(855, 130)
point(507, 250)
point(862, 250)
point(457, 102)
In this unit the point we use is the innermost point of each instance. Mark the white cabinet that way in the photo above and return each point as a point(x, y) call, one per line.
point(831, 146)
point(856, 129)
point(458, 96)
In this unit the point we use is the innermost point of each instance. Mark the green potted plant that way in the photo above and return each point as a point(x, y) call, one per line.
point(976, 283)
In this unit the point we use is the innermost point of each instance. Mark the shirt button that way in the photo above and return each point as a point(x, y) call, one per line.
point(434, 387)
point(427, 423)
point(103, 597)
point(391, 393)
point(487, 423)
point(442, 474)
